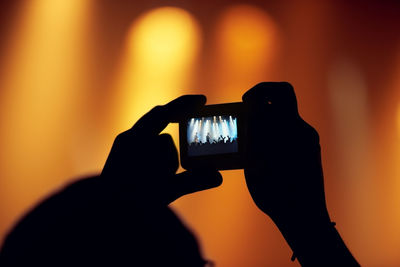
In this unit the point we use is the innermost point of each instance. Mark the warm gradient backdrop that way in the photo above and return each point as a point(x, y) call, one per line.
point(74, 73)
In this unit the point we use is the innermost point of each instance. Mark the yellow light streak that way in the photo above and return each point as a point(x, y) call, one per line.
point(39, 103)
point(247, 45)
point(161, 48)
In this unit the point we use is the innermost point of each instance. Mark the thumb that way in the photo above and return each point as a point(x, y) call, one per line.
point(192, 181)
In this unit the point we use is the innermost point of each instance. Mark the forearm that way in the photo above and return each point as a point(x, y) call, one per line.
point(316, 243)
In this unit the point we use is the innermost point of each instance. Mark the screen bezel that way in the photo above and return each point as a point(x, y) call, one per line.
point(221, 161)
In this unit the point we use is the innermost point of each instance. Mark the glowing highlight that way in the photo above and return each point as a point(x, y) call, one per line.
point(161, 48)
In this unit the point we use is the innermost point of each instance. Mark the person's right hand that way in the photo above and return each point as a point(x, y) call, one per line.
point(284, 173)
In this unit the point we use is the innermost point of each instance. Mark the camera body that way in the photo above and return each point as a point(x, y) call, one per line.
point(214, 136)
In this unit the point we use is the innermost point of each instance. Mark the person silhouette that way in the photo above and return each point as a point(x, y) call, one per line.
point(196, 138)
point(121, 217)
point(208, 138)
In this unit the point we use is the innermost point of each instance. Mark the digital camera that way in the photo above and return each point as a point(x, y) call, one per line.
point(213, 136)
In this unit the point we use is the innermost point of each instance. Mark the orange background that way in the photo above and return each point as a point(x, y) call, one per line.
point(74, 73)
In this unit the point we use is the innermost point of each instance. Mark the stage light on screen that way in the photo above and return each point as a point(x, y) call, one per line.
point(219, 139)
point(223, 128)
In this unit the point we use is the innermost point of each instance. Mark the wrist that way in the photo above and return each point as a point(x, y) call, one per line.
point(316, 242)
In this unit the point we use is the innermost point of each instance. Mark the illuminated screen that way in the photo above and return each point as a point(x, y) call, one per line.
point(212, 135)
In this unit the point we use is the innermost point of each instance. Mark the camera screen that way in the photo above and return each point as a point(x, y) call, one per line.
point(212, 135)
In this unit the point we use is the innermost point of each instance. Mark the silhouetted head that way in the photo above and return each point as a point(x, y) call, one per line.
point(73, 228)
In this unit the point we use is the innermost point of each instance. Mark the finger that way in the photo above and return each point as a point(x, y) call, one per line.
point(164, 156)
point(153, 122)
point(156, 156)
point(271, 110)
point(278, 95)
point(193, 181)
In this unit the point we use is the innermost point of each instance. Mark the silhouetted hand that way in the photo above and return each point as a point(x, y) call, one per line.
point(284, 175)
point(143, 163)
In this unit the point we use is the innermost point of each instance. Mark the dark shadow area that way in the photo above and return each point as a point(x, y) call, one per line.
point(86, 224)
point(207, 148)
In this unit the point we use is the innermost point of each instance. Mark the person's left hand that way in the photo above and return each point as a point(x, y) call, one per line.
point(143, 163)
